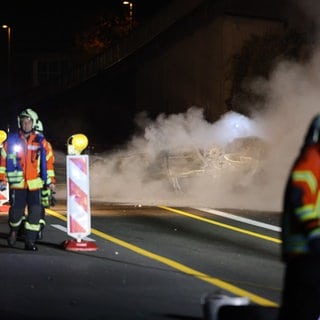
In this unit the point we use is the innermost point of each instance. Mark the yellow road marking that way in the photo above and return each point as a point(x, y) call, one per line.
point(223, 225)
point(56, 214)
point(176, 265)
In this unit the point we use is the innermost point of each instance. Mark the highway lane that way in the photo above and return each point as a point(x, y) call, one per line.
point(234, 253)
point(151, 263)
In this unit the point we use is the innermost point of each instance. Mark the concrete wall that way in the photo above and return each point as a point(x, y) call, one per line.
point(185, 68)
point(192, 71)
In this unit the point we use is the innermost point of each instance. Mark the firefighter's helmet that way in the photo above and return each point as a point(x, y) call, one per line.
point(31, 114)
point(39, 126)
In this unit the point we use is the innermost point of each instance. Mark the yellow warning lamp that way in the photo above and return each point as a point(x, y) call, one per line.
point(3, 137)
point(77, 143)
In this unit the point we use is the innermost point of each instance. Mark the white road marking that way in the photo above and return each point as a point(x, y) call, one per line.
point(241, 219)
point(64, 229)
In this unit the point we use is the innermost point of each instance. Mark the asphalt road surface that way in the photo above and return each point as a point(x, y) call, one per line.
point(149, 263)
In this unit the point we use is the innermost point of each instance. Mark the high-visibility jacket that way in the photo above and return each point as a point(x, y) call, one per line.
point(301, 209)
point(50, 160)
point(24, 164)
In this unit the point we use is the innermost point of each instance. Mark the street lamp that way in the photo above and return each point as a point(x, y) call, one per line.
point(5, 26)
point(130, 4)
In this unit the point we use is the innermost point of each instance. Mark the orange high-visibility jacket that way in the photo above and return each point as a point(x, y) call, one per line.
point(301, 210)
point(50, 160)
point(27, 163)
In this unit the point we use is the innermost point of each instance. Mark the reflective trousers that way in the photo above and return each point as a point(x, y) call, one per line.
point(20, 200)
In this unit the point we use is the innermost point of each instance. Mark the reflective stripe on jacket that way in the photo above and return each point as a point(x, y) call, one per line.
point(50, 174)
point(301, 211)
point(23, 162)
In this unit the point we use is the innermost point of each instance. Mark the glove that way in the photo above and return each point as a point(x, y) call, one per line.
point(53, 200)
point(52, 187)
point(3, 186)
point(45, 197)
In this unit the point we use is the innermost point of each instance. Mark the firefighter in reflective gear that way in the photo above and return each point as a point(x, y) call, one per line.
point(47, 199)
point(24, 166)
point(301, 232)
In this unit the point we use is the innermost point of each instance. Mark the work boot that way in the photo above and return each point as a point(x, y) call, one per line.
point(21, 233)
point(12, 238)
point(29, 245)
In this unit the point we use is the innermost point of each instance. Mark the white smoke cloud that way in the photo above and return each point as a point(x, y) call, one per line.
point(183, 160)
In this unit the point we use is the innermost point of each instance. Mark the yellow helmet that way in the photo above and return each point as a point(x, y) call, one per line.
point(3, 136)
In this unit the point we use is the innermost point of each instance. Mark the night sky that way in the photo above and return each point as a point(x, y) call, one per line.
point(50, 24)
point(35, 23)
